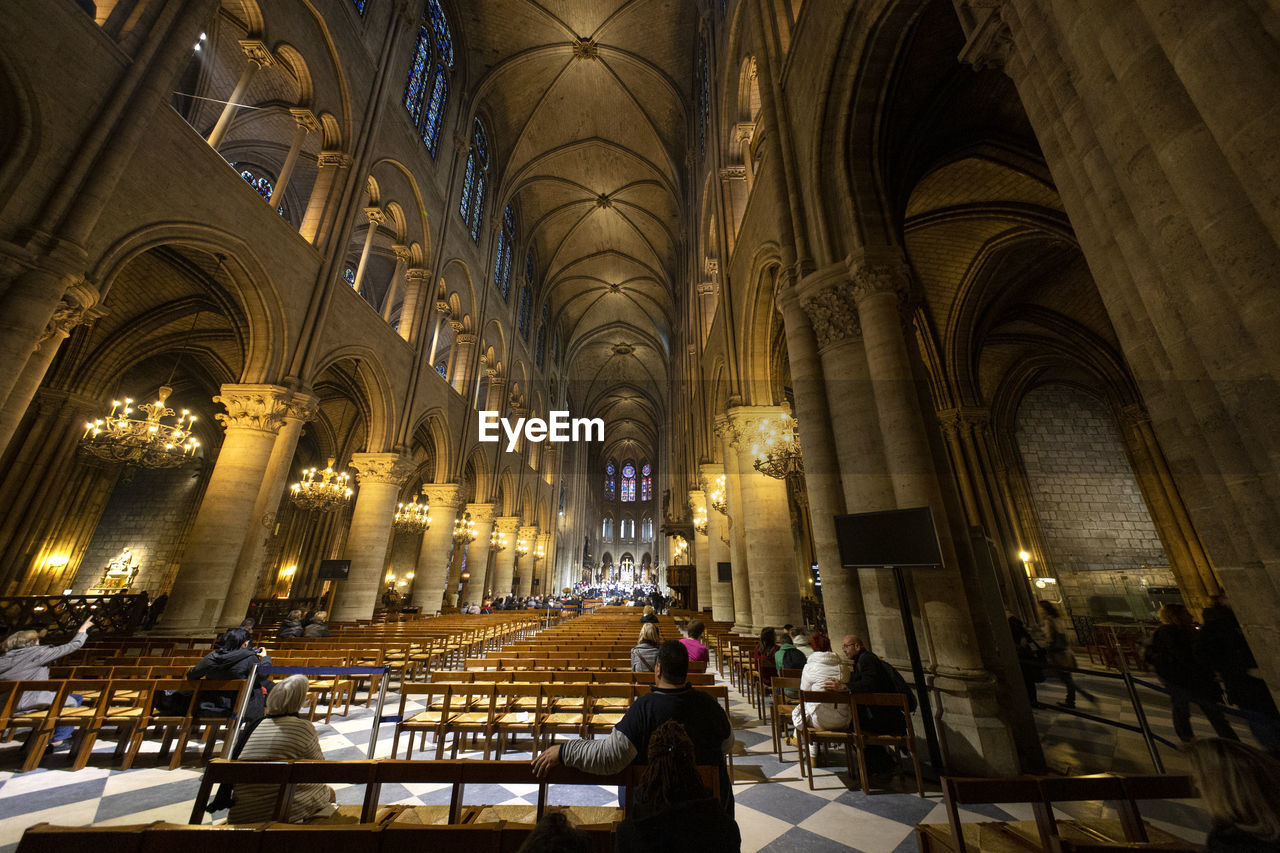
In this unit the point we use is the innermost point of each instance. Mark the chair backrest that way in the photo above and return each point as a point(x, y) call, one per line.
point(1018, 789)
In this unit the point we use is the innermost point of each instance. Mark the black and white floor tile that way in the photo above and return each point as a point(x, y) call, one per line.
point(776, 811)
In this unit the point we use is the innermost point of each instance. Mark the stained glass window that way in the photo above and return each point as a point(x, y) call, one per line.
point(628, 482)
point(349, 276)
point(427, 88)
point(704, 100)
point(526, 311)
point(442, 367)
point(556, 352)
point(360, 4)
point(502, 260)
point(540, 349)
point(471, 205)
point(610, 484)
point(646, 483)
point(263, 185)
point(646, 529)
point(528, 268)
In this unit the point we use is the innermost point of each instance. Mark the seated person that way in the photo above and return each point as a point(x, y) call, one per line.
point(673, 810)
point(644, 655)
point(801, 640)
point(820, 669)
point(232, 660)
point(554, 834)
point(764, 656)
point(281, 736)
point(291, 627)
point(869, 676)
point(649, 615)
point(1238, 784)
point(318, 627)
point(24, 659)
point(693, 642)
point(672, 698)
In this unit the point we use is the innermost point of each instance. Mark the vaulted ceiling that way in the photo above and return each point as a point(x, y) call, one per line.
point(587, 101)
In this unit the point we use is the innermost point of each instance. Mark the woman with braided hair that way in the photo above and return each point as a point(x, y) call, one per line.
point(673, 810)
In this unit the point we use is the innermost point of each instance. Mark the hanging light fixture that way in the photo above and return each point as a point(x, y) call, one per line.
point(522, 548)
point(322, 491)
point(146, 442)
point(700, 520)
point(497, 542)
point(464, 530)
point(776, 448)
point(327, 490)
point(715, 496)
point(412, 517)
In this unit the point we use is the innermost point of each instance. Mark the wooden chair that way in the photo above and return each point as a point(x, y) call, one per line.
point(863, 738)
point(810, 735)
point(431, 720)
point(780, 709)
point(518, 710)
point(608, 705)
point(125, 706)
point(563, 710)
point(44, 838)
point(470, 710)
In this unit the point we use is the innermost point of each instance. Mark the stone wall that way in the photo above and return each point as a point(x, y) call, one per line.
point(148, 513)
point(1097, 531)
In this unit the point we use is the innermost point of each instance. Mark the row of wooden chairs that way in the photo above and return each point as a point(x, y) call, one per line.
point(541, 676)
point(127, 705)
point(856, 738)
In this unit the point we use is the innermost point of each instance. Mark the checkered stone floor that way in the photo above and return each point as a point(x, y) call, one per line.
point(776, 811)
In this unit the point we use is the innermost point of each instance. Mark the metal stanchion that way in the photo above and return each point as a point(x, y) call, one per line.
point(234, 725)
point(377, 714)
point(1152, 749)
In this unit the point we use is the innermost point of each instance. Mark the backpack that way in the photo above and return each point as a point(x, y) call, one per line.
point(898, 684)
point(793, 659)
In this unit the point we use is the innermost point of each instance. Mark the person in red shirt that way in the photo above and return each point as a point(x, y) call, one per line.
point(693, 642)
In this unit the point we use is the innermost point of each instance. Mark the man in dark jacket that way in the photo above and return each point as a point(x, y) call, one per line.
point(233, 660)
point(672, 698)
point(868, 675)
point(291, 627)
point(1224, 650)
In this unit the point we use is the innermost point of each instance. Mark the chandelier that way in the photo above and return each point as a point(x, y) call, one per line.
point(143, 442)
point(322, 491)
point(464, 530)
point(776, 448)
point(497, 542)
point(412, 517)
point(522, 548)
point(715, 496)
point(700, 520)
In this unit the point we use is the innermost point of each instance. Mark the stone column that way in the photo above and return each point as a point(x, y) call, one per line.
point(445, 499)
point(257, 55)
point(463, 345)
point(720, 592)
point(307, 123)
point(701, 551)
point(736, 522)
point(415, 287)
point(477, 551)
point(325, 192)
point(523, 581)
point(297, 410)
point(771, 558)
point(505, 563)
point(255, 415)
point(841, 590)
point(381, 476)
point(376, 218)
point(397, 287)
point(542, 554)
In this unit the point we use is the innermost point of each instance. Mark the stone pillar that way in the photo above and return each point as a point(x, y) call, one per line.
point(297, 410)
point(970, 719)
point(445, 499)
point(307, 123)
point(416, 281)
point(255, 415)
point(397, 288)
point(505, 563)
point(376, 218)
point(463, 345)
point(542, 555)
point(523, 581)
point(442, 313)
point(257, 55)
point(736, 522)
point(771, 557)
point(720, 592)
point(318, 218)
point(841, 590)
point(381, 476)
point(477, 552)
point(701, 551)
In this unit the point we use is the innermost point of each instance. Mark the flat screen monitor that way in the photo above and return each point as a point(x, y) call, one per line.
point(895, 537)
point(334, 570)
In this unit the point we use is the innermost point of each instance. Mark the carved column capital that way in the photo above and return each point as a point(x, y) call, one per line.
point(257, 52)
point(79, 305)
point(302, 407)
point(879, 271)
point(988, 39)
point(306, 119)
point(466, 339)
point(480, 513)
point(829, 301)
point(254, 407)
point(390, 469)
point(733, 173)
point(443, 495)
point(333, 160)
point(697, 500)
point(401, 252)
point(962, 419)
point(507, 524)
point(746, 422)
point(376, 215)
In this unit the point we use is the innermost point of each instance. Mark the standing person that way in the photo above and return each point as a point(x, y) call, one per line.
point(1238, 784)
point(153, 612)
point(282, 735)
point(672, 698)
point(1058, 653)
point(1224, 650)
point(233, 660)
point(24, 659)
point(644, 655)
point(693, 643)
point(1030, 655)
point(1172, 654)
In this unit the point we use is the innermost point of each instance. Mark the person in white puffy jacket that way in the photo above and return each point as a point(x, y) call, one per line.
point(820, 668)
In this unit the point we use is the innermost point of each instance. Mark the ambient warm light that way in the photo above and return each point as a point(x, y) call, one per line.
point(1023, 556)
point(57, 561)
